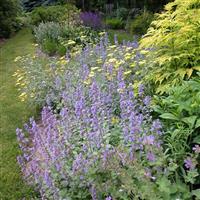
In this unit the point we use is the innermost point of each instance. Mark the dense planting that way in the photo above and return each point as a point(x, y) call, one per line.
point(45, 75)
point(100, 129)
point(97, 138)
point(119, 120)
point(55, 38)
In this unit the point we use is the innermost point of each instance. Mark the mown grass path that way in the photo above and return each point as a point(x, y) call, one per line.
point(13, 114)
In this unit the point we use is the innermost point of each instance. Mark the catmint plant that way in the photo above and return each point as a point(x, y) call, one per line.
point(68, 151)
point(101, 142)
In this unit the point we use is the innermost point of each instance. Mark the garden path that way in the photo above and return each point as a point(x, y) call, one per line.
point(13, 114)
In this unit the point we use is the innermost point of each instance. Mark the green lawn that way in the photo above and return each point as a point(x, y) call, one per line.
point(13, 114)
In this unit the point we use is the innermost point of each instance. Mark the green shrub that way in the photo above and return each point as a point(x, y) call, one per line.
point(9, 10)
point(180, 114)
point(114, 23)
point(140, 24)
point(122, 13)
point(61, 50)
point(29, 5)
point(56, 38)
point(56, 13)
point(48, 30)
point(174, 38)
point(49, 46)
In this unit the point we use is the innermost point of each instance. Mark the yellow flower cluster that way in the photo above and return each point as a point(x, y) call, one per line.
point(21, 82)
point(115, 57)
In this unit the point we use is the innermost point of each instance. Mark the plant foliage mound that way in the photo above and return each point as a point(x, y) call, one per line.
point(61, 38)
point(45, 74)
point(57, 13)
point(174, 38)
point(97, 138)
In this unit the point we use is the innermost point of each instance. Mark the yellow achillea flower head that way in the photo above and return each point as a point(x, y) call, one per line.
point(23, 96)
point(115, 120)
point(17, 58)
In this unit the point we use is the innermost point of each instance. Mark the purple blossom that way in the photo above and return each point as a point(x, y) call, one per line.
point(79, 139)
point(147, 100)
point(149, 140)
point(151, 156)
point(93, 193)
point(196, 149)
point(91, 19)
point(189, 163)
point(156, 127)
point(141, 90)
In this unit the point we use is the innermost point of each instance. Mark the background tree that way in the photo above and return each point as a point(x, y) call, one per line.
point(9, 10)
point(29, 5)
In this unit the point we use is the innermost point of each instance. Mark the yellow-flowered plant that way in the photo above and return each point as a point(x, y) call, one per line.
point(40, 78)
point(36, 75)
point(174, 40)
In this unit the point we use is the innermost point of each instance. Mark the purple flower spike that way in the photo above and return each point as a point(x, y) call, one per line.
point(91, 19)
point(151, 156)
point(141, 90)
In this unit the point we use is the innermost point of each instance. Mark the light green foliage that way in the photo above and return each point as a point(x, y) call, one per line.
point(180, 112)
point(47, 35)
point(115, 23)
point(35, 78)
point(174, 38)
point(60, 13)
point(140, 23)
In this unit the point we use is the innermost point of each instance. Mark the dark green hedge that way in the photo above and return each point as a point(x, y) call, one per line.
point(9, 10)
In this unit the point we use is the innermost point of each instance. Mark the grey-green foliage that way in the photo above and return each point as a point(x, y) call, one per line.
point(48, 30)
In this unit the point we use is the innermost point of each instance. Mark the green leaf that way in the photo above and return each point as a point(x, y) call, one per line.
point(197, 125)
point(197, 139)
point(169, 116)
point(190, 177)
point(164, 185)
point(196, 193)
point(190, 121)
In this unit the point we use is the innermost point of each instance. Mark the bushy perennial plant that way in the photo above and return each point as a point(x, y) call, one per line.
point(35, 68)
point(102, 142)
point(61, 38)
point(67, 13)
point(175, 38)
point(90, 19)
point(101, 132)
